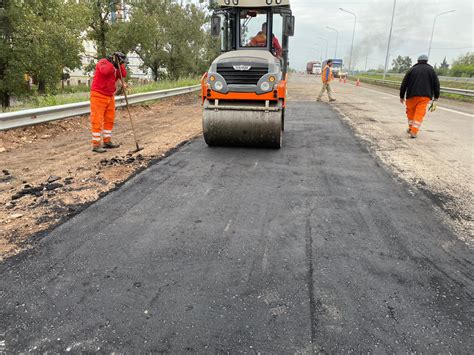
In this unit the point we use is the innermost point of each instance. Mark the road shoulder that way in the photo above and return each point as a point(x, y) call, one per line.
point(49, 174)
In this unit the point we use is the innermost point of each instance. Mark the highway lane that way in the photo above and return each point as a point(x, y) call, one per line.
point(440, 161)
point(311, 248)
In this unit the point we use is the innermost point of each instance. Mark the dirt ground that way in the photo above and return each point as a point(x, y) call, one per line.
point(439, 163)
point(48, 172)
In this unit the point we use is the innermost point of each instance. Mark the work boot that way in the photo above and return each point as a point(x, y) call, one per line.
point(412, 135)
point(319, 100)
point(408, 130)
point(332, 100)
point(98, 149)
point(110, 145)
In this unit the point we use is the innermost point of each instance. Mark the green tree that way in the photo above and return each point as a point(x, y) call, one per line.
point(401, 64)
point(38, 38)
point(10, 70)
point(443, 68)
point(463, 66)
point(169, 38)
point(50, 39)
point(444, 64)
point(99, 24)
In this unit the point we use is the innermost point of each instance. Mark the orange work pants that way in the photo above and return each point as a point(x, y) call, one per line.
point(102, 117)
point(416, 110)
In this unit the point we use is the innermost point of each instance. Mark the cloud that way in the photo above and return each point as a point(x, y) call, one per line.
point(411, 32)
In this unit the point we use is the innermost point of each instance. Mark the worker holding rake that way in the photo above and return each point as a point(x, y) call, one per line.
point(107, 72)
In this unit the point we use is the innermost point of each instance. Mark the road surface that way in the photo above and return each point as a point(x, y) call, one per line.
point(311, 248)
point(439, 162)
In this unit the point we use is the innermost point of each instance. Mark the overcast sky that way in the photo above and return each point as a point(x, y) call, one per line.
point(411, 31)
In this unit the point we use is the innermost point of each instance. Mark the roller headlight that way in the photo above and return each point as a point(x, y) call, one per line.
point(218, 85)
point(265, 86)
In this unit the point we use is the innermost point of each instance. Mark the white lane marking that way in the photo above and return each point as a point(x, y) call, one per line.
point(441, 108)
point(454, 111)
point(265, 259)
point(228, 226)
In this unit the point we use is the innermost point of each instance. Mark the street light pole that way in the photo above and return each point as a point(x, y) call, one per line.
point(434, 23)
point(318, 51)
point(337, 38)
point(324, 39)
point(353, 34)
point(389, 40)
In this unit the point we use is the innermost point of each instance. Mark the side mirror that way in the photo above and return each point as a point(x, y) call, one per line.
point(289, 26)
point(215, 26)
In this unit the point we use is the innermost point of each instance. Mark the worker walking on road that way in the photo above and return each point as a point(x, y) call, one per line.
point(103, 100)
point(327, 77)
point(421, 85)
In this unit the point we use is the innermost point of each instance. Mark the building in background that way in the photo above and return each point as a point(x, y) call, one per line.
point(83, 76)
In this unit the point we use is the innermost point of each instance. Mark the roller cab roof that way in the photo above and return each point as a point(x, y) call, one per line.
point(252, 3)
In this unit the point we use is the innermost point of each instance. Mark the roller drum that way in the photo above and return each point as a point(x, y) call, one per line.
point(243, 128)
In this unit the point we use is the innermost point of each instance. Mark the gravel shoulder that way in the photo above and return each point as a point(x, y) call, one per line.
point(48, 172)
point(439, 162)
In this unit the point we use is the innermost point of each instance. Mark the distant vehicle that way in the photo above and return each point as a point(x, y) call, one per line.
point(317, 68)
point(309, 67)
point(337, 68)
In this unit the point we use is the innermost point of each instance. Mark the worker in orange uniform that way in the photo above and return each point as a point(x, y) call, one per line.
point(103, 100)
point(421, 85)
point(260, 40)
point(327, 77)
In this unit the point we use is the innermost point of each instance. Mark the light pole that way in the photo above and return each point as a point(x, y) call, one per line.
point(324, 39)
point(337, 38)
point(389, 40)
point(318, 51)
point(353, 34)
point(434, 23)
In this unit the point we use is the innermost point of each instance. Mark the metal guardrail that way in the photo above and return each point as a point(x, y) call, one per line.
point(30, 117)
point(445, 90)
point(441, 78)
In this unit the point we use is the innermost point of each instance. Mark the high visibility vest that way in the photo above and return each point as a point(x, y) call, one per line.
point(326, 74)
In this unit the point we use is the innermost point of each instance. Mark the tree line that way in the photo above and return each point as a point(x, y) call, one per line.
point(461, 67)
point(43, 39)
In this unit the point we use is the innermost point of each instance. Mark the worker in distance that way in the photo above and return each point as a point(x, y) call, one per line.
point(327, 76)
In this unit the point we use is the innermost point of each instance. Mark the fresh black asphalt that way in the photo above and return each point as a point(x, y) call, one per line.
point(310, 248)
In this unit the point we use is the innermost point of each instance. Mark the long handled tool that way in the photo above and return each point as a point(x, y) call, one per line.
point(128, 110)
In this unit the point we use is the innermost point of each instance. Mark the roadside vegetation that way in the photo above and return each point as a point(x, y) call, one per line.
point(399, 78)
point(81, 93)
point(462, 68)
point(42, 41)
point(369, 79)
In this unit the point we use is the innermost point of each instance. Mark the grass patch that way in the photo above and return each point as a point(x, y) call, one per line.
point(447, 84)
point(451, 84)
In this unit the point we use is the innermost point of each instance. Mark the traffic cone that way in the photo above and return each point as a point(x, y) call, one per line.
point(345, 80)
point(340, 79)
point(358, 82)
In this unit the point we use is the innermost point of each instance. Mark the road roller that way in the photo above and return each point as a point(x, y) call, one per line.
point(244, 91)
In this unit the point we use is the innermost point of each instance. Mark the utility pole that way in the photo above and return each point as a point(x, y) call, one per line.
point(389, 40)
point(324, 39)
point(337, 38)
point(353, 34)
